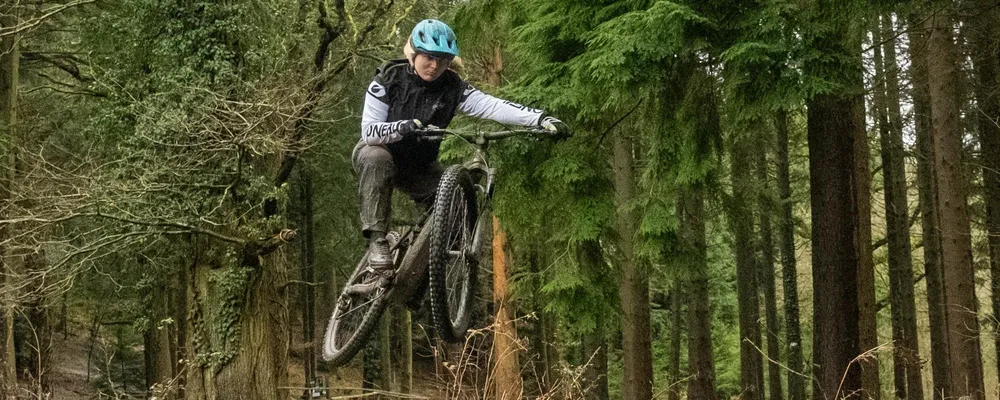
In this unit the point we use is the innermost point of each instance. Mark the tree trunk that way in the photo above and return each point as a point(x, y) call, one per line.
point(506, 368)
point(159, 360)
point(867, 304)
point(766, 276)
point(674, 362)
point(385, 352)
point(38, 341)
point(984, 42)
point(961, 321)
point(835, 247)
point(593, 345)
point(741, 222)
point(545, 347)
point(537, 366)
point(371, 361)
point(906, 355)
point(33, 340)
point(594, 352)
point(307, 259)
point(789, 273)
point(839, 195)
point(701, 362)
point(181, 313)
point(9, 56)
point(634, 292)
point(405, 349)
point(236, 346)
point(928, 210)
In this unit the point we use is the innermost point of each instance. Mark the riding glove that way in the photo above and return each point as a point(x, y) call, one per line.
point(408, 127)
point(553, 125)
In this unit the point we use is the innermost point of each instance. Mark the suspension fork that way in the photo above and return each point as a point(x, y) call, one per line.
point(482, 176)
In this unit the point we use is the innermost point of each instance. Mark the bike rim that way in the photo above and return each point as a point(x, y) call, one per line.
point(350, 313)
point(457, 274)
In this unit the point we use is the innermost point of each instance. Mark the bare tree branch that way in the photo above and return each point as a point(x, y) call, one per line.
point(34, 22)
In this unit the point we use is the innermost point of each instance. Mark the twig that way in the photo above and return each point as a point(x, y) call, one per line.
point(860, 357)
point(618, 122)
point(37, 21)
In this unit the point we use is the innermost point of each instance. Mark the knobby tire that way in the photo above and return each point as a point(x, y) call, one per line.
point(373, 305)
point(455, 215)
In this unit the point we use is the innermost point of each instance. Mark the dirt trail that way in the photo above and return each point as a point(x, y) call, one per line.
point(68, 377)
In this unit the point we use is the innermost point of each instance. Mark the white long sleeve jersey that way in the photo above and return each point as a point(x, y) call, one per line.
point(397, 95)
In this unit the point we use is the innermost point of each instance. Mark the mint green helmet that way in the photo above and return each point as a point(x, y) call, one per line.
point(434, 37)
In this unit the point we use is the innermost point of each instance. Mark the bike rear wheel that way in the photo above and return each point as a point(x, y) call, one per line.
point(358, 309)
point(451, 265)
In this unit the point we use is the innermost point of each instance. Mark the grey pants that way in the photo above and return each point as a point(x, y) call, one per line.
point(378, 175)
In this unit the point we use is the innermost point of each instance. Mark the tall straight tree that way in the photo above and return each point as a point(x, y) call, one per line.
point(906, 357)
point(160, 346)
point(508, 382)
point(965, 367)
point(674, 358)
point(9, 59)
point(593, 344)
point(984, 38)
point(766, 273)
point(838, 193)
point(867, 307)
point(699, 113)
point(701, 363)
point(636, 339)
point(741, 222)
point(789, 272)
point(928, 210)
point(307, 261)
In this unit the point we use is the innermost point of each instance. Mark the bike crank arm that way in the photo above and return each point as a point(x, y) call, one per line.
point(361, 288)
point(367, 288)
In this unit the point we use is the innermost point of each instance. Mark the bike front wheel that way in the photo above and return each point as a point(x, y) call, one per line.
point(451, 263)
point(356, 313)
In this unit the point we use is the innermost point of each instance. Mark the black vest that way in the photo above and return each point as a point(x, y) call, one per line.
point(410, 97)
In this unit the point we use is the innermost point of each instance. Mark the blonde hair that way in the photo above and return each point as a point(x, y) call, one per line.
point(456, 65)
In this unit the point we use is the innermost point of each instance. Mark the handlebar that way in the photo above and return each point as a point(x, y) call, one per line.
point(435, 134)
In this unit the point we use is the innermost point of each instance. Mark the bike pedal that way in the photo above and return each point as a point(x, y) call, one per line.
point(393, 237)
point(382, 272)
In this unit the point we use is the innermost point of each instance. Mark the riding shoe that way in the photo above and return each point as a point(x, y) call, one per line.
point(379, 256)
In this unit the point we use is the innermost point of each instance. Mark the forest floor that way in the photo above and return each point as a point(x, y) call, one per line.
point(69, 376)
point(75, 376)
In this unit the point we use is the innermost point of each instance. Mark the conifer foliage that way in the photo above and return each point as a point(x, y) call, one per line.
point(177, 198)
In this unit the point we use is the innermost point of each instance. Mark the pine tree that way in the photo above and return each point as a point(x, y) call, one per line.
point(766, 271)
point(962, 323)
point(985, 48)
point(789, 273)
point(906, 357)
point(928, 209)
point(836, 137)
point(741, 221)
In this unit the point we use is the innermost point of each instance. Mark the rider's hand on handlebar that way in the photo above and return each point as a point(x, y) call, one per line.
point(554, 125)
point(408, 127)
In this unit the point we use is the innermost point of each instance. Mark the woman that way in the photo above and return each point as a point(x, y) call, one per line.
point(405, 96)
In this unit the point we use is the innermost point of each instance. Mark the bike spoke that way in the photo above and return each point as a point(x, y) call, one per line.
point(351, 311)
point(452, 285)
point(349, 315)
point(456, 273)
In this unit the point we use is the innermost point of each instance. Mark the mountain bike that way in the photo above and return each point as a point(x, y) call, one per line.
point(444, 243)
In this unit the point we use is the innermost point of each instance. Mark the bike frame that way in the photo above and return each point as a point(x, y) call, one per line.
point(483, 174)
point(411, 262)
point(411, 251)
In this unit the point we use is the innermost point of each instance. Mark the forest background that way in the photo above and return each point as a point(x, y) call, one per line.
point(762, 199)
